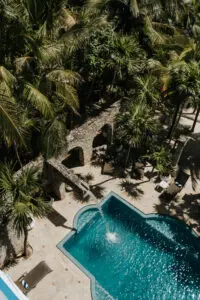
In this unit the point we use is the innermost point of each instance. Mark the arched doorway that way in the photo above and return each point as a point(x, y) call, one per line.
point(104, 136)
point(75, 158)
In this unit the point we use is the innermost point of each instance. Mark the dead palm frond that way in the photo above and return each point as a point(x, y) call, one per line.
point(23, 63)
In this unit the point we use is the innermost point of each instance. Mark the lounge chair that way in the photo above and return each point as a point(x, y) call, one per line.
point(29, 280)
point(171, 191)
point(164, 184)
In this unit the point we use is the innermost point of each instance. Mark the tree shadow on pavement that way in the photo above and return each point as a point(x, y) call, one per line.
point(131, 188)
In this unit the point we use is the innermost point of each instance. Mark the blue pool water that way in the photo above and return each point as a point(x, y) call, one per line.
point(156, 257)
point(6, 292)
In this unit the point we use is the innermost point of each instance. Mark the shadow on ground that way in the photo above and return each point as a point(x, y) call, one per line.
point(187, 207)
point(58, 220)
point(131, 188)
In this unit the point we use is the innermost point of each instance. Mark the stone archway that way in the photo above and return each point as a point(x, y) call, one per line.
point(75, 158)
point(104, 136)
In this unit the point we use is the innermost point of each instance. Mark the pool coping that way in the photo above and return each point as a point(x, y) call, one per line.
point(95, 206)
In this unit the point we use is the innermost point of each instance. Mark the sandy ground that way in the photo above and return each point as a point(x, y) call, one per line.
point(66, 281)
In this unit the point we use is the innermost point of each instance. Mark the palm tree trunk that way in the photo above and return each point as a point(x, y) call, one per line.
point(173, 121)
point(180, 114)
point(18, 158)
point(194, 110)
point(25, 242)
point(113, 79)
point(195, 120)
point(127, 157)
point(152, 170)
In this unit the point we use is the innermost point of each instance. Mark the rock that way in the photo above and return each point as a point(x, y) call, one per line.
point(68, 188)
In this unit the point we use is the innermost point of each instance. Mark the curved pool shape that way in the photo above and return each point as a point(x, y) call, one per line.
point(156, 257)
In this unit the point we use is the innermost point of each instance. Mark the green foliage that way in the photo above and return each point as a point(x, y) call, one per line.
point(147, 90)
point(21, 197)
point(161, 159)
point(52, 54)
point(136, 126)
point(53, 138)
point(108, 51)
point(34, 85)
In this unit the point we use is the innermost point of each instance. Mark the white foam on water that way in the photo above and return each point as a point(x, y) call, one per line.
point(112, 237)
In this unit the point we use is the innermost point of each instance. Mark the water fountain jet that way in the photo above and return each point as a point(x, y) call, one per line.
point(110, 236)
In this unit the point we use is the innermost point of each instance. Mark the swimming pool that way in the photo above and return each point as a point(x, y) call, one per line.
point(156, 257)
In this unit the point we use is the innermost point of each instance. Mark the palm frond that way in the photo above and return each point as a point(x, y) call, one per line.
point(6, 178)
point(38, 100)
point(134, 8)
point(11, 127)
point(67, 94)
point(155, 36)
point(64, 81)
point(20, 216)
point(53, 138)
point(64, 77)
point(28, 180)
point(39, 207)
point(80, 33)
point(67, 18)
point(7, 77)
point(48, 53)
point(22, 63)
point(165, 28)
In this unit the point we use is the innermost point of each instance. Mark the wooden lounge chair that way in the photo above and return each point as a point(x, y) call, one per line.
point(29, 280)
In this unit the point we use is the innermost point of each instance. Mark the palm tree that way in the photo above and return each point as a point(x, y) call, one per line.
point(148, 90)
point(179, 79)
point(183, 84)
point(21, 199)
point(135, 127)
point(161, 159)
point(54, 93)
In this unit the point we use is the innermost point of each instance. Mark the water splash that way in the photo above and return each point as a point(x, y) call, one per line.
point(110, 236)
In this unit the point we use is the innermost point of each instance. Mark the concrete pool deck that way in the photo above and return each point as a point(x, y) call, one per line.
point(67, 281)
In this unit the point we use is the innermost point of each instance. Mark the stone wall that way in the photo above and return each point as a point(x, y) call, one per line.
point(83, 136)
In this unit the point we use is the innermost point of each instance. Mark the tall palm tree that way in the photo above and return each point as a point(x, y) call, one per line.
point(184, 83)
point(135, 127)
point(21, 199)
point(148, 90)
